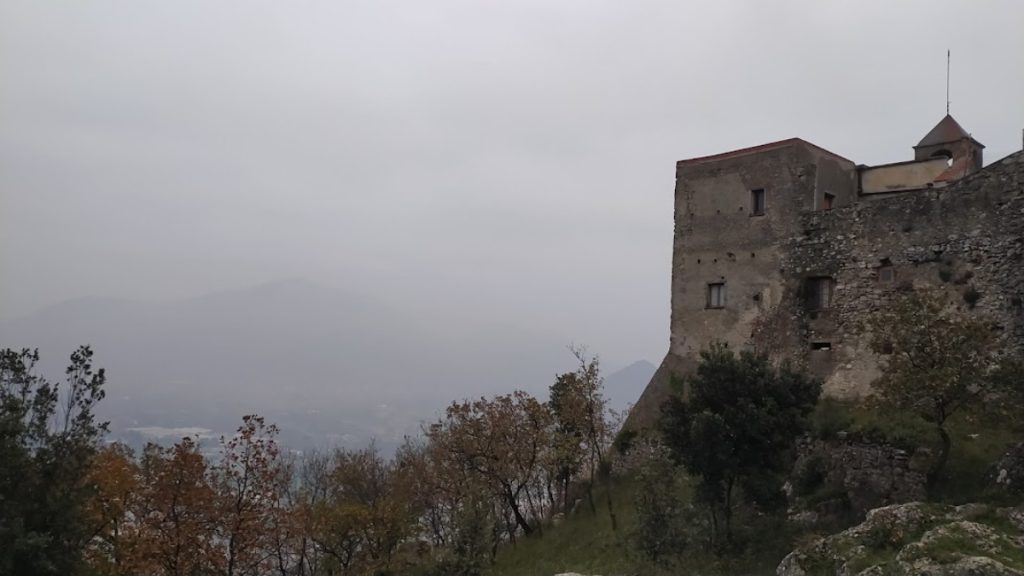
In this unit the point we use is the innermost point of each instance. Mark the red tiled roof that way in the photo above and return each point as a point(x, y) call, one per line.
point(760, 148)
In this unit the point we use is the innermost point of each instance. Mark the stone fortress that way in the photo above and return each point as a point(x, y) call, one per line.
point(787, 247)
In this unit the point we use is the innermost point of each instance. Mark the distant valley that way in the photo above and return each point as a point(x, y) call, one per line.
point(328, 366)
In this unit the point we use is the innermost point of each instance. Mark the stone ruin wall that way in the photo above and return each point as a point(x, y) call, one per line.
point(965, 237)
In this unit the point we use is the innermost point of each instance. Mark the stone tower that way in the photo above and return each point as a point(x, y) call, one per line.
point(949, 140)
point(787, 247)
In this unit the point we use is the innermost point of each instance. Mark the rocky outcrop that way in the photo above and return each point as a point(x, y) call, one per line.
point(918, 539)
point(1010, 469)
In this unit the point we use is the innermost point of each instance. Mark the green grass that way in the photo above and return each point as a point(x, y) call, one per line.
point(977, 443)
point(586, 544)
point(957, 544)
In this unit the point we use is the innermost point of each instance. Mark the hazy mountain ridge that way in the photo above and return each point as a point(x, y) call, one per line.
point(326, 365)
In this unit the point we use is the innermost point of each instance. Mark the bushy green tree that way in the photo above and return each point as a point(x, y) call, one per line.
point(660, 532)
point(734, 430)
point(48, 437)
point(937, 361)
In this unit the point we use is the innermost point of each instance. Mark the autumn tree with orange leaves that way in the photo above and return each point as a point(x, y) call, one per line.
point(116, 546)
point(175, 507)
point(245, 483)
point(501, 442)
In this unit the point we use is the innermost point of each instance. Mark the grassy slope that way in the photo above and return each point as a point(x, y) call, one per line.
point(587, 544)
point(978, 441)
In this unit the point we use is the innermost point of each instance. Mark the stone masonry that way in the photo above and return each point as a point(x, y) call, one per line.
point(781, 248)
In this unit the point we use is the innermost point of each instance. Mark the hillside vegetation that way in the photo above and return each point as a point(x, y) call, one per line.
point(748, 467)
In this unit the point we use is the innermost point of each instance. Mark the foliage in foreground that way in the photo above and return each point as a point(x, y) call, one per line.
point(939, 361)
point(48, 436)
point(734, 432)
point(490, 472)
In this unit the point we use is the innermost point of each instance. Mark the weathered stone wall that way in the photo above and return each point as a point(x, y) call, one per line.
point(871, 475)
point(966, 239)
point(719, 239)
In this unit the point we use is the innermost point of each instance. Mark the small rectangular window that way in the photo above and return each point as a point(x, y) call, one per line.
point(828, 201)
point(819, 292)
point(757, 202)
point(821, 346)
point(886, 275)
point(716, 295)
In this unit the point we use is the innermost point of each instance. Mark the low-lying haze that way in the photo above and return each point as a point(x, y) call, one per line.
point(507, 163)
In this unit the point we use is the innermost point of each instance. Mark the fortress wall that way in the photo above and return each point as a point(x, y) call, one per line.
point(967, 236)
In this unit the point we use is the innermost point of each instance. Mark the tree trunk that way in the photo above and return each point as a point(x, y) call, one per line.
point(520, 520)
point(940, 464)
point(611, 511)
point(714, 525)
point(590, 495)
point(608, 500)
point(727, 512)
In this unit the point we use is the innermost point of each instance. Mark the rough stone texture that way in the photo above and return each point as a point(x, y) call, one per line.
point(914, 538)
point(872, 475)
point(966, 239)
point(1009, 472)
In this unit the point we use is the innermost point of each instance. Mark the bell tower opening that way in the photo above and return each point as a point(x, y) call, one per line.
point(949, 140)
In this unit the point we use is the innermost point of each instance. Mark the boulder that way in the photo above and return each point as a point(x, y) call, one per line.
point(1009, 472)
point(916, 539)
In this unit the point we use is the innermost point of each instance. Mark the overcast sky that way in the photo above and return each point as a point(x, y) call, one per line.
point(512, 160)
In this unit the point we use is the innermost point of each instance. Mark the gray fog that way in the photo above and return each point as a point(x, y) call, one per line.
point(506, 162)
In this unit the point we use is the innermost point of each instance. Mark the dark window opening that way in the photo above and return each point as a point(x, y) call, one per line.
point(819, 292)
point(716, 295)
point(757, 202)
point(821, 345)
point(886, 347)
point(828, 201)
point(886, 273)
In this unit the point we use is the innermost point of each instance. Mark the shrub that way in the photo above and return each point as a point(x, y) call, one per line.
point(660, 533)
point(809, 475)
point(971, 296)
point(895, 428)
point(830, 417)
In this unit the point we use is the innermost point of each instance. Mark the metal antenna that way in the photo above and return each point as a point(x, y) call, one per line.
point(947, 82)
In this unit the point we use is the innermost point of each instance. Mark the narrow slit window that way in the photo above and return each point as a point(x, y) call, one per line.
point(716, 295)
point(757, 202)
point(821, 346)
